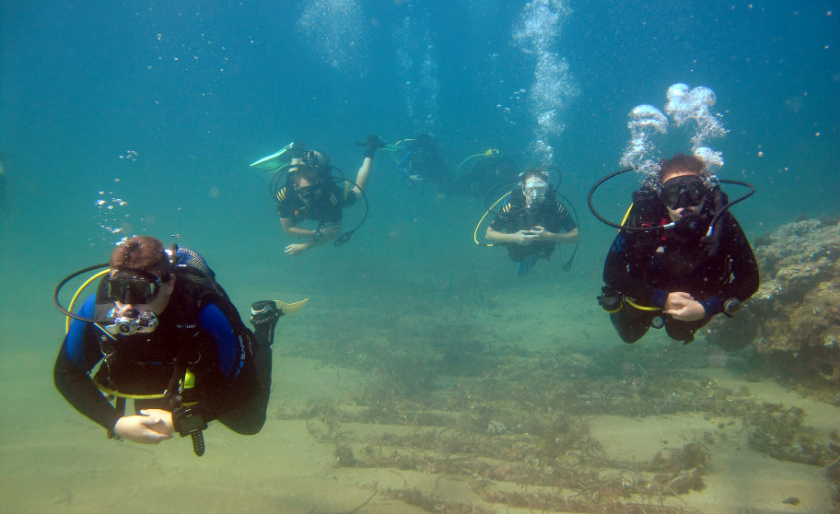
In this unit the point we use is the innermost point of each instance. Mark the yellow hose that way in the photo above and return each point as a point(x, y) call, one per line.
point(475, 232)
point(76, 296)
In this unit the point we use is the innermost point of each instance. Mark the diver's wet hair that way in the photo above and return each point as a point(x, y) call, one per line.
point(312, 174)
point(142, 253)
point(682, 162)
point(541, 173)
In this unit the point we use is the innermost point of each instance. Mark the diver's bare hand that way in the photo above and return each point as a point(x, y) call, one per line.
point(524, 237)
point(149, 427)
point(296, 249)
point(682, 306)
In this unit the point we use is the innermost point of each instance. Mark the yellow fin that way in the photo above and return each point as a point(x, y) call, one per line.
point(291, 308)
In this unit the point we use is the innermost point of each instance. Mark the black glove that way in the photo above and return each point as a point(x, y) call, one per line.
point(372, 144)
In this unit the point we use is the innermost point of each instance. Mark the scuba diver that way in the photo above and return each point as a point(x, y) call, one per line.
point(680, 256)
point(422, 162)
point(164, 333)
point(532, 221)
point(490, 168)
point(311, 193)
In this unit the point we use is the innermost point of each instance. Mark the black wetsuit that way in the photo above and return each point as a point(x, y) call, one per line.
point(231, 365)
point(515, 216)
point(325, 208)
point(647, 266)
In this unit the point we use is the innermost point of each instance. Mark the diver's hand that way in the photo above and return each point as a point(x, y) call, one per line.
point(682, 306)
point(372, 144)
point(539, 232)
point(151, 426)
point(295, 249)
point(524, 237)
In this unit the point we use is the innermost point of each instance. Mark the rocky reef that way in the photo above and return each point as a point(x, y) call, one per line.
point(794, 318)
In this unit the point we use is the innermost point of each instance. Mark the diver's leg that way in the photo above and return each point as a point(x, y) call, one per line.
point(249, 418)
point(631, 324)
point(683, 330)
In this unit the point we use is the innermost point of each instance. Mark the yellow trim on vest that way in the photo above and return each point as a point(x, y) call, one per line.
point(187, 383)
point(640, 307)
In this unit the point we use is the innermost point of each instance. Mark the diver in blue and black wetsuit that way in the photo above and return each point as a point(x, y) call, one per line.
point(422, 162)
point(662, 270)
point(165, 335)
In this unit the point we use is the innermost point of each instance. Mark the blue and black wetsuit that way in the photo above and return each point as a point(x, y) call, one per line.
point(231, 366)
point(648, 265)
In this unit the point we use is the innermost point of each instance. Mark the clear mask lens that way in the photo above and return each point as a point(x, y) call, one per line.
point(535, 190)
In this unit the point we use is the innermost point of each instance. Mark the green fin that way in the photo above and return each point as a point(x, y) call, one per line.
point(276, 161)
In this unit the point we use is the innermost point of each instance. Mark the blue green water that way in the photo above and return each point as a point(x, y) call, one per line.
point(164, 104)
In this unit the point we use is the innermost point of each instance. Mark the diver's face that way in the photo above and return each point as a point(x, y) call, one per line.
point(534, 189)
point(686, 200)
point(157, 304)
point(307, 189)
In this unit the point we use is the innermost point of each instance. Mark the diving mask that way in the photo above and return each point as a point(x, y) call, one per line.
point(130, 322)
point(133, 287)
point(535, 188)
point(683, 191)
point(309, 193)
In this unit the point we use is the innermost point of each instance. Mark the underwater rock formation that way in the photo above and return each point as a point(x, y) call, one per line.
point(794, 318)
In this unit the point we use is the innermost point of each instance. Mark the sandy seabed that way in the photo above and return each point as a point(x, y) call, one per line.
point(344, 437)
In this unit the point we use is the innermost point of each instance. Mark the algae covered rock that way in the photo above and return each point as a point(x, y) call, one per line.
point(794, 317)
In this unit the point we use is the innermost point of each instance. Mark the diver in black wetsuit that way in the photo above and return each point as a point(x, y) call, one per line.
point(166, 335)
point(671, 274)
point(312, 194)
point(532, 221)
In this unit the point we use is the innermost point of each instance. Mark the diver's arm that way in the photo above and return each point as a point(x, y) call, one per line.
point(520, 237)
point(319, 236)
point(743, 268)
point(618, 273)
point(559, 227)
point(291, 229)
point(362, 175)
point(78, 389)
point(572, 236)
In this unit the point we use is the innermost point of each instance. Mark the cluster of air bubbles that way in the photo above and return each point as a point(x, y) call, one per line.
point(129, 155)
point(537, 33)
point(510, 111)
point(418, 68)
point(110, 212)
point(337, 30)
point(685, 106)
point(641, 153)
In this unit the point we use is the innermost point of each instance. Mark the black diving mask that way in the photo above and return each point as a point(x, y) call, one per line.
point(683, 191)
point(133, 287)
point(309, 193)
